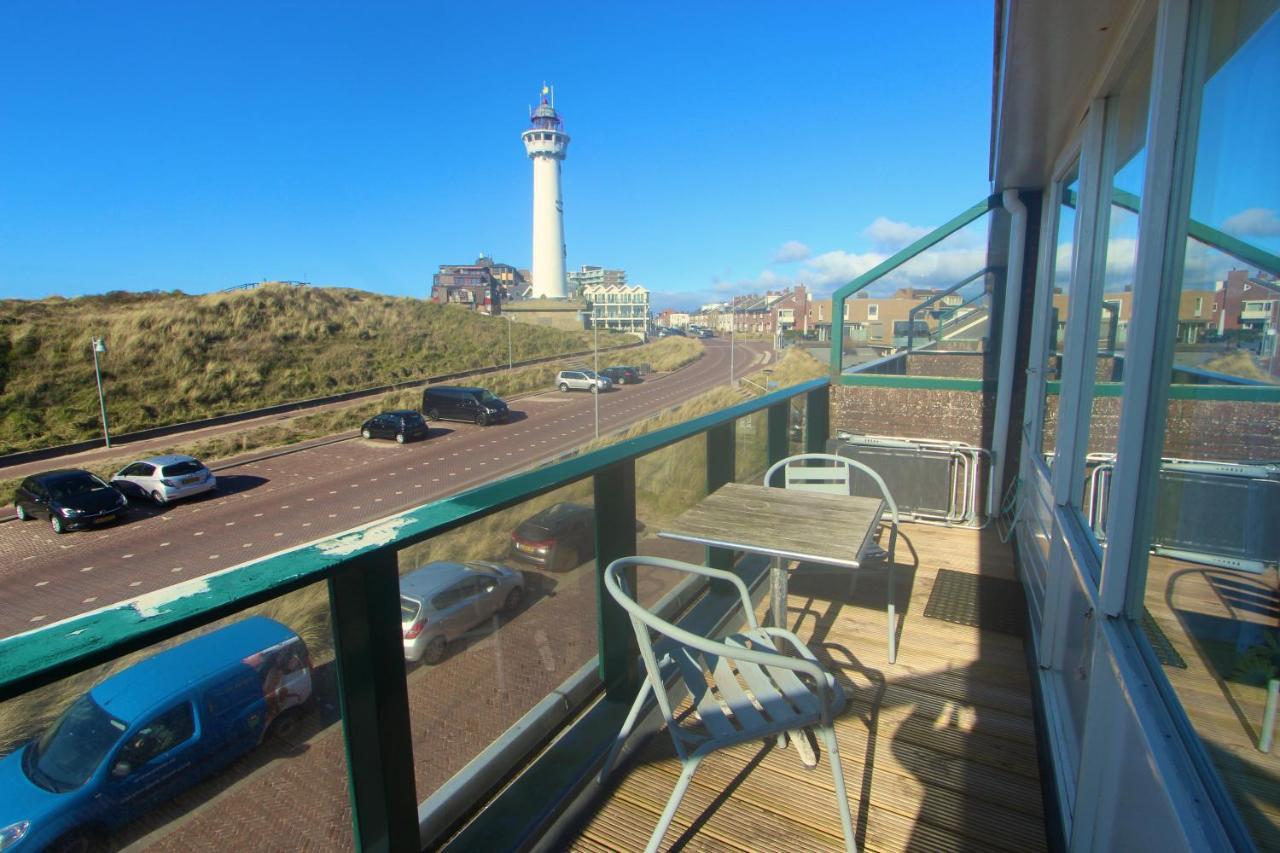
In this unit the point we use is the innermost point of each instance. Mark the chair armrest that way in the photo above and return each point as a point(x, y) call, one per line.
point(612, 579)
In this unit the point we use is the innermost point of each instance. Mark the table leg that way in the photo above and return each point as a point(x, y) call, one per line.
point(778, 592)
point(778, 614)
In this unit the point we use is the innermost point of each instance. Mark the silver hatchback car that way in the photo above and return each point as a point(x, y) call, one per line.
point(582, 380)
point(165, 478)
point(441, 601)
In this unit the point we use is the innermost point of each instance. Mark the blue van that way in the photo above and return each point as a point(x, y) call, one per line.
point(151, 731)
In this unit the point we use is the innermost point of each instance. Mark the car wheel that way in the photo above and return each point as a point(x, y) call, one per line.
point(158, 497)
point(564, 386)
point(55, 521)
point(512, 602)
point(482, 419)
point(20, 512)
point(399, 438)
point(433, 415)
point(434, 652)
point(366, 434)
point(285, 725)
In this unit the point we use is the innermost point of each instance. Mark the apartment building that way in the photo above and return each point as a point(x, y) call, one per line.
point(622, 308)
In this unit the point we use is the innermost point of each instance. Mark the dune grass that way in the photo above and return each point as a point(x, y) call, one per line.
point(668, 481)
point(1239, 363)
point(173, 358)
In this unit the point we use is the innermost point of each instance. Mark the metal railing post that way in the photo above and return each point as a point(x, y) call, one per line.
point(721, 462)
point(615, 504)
point(817, 420)
point(777, 427)
point(364, 605)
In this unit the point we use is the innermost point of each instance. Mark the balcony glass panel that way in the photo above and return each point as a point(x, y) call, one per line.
point(1060, 271)
point(1125, 141)
point(231, 731)
point(502, 612)
point(1212, 605)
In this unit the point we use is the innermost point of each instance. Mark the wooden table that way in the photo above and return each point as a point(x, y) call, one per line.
point(786, 524)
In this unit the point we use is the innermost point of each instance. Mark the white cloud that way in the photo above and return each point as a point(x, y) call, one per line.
point(1254, 222)
point(890, 236)
point(792, 250)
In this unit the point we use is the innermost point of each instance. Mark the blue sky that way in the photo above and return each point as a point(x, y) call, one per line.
point(197, 146)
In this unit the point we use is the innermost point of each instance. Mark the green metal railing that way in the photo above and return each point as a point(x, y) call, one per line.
point(361, 570)
point(887, 266)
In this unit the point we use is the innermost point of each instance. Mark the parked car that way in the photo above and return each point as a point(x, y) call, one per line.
point(69, 498)
point(442, 600)
point(149, 732)
point(665, 331)
point(457, 403)
point(582, 380)
point(165, 478)
point(621, 375)
point(402, 425)
point(560, 537)
point(704, 332)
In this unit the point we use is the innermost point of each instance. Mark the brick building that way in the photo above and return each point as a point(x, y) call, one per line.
point(482, 286)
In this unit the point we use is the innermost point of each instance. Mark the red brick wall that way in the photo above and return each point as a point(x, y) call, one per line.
point(1213, 430)
point(913, 412)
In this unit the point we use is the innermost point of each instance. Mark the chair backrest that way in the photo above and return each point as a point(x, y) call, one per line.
point(695, 657)
point(826, 472)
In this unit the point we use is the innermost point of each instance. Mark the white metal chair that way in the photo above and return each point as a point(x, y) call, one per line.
point(743, 687)
point(826, 472)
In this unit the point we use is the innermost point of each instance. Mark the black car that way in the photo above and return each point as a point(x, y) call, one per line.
point(69, 498)
point(401, 425)
point(558, 538)
point(457, 403)
point(621, 375)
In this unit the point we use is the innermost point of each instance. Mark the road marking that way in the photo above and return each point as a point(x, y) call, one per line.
point(164, 544)
point(257, 515)
point(377, 500)
point(124, 556)
point(331, 515)
point(87, 569)
point(247, 545)
point(355, 507)
point(90, 600)
point(214, 556)
point(135, 583)
point(281, 532)
point(399, 493)
point(333, 491)
point(42, 583)
point(38, 618)
point(231, 524)
point(309, 500)
point(306, 524)
point(286, 506)
point(174, 569)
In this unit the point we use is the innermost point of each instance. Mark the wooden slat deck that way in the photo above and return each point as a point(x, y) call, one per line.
point(938, 749)
point(1226, 713)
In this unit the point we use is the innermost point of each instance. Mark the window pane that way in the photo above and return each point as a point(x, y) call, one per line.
point(1211, 591)
point(1126, 141)
point(1062, 265)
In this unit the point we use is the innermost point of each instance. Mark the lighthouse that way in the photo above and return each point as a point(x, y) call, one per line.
point(546, 142)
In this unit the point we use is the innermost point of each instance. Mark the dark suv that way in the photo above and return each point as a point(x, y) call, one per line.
point(402, 426)
point(456, 403)
point(560, 537)
point(621, 375)
point(70, 498)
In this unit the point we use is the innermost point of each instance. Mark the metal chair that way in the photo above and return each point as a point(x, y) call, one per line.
point(743, 688)
point(835, 475)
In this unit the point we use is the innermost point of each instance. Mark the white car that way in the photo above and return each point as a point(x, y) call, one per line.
point(165, 478)
point(582, 380)
point(443, 600)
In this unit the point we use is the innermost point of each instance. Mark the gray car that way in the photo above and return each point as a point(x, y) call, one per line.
point(441, 601)
point(165, 478)
point(582, 380)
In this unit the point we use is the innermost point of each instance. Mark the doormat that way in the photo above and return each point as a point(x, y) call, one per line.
point(992, 604)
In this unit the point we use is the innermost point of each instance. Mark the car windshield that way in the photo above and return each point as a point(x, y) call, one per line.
point(76, 484)
point(489, 397)
point(65, 756)
point(179, 469)
point(589, 374)
point(408, 609)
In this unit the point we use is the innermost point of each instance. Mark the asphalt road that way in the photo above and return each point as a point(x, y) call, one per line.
point(271, 505)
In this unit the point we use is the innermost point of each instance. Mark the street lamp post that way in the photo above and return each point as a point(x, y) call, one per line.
point(98, 345)
point(510, 359)
point(733, 328)
point(595, 388)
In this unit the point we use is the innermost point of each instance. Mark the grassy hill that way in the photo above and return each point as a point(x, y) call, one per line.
point(174, 357)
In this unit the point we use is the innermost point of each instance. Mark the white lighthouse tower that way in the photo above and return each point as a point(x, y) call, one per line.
point(546, 142)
